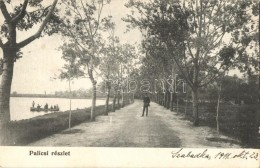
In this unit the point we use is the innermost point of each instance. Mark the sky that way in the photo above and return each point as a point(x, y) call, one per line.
point(41, 60)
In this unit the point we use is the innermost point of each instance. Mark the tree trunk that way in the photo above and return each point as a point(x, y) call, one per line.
point(164, 99)
point(70, 104)
point(118, 100)
point(177, 102)
point(171, 101)
point(161, 99)
point(167, 100)
point(122, 105)
point(186, 104)
point(107, 101)
point(94, 94)
point(217, 116)
point(114, 102)
point(5, 87)
point(92, 115)
point(195, 106)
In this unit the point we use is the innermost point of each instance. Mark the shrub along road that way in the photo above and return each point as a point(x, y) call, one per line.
point(126, 128)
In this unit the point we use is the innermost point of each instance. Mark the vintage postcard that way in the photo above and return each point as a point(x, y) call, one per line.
point(129, 83)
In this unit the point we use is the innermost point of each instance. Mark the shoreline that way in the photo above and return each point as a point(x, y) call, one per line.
point(22, 132)
point(100, 98)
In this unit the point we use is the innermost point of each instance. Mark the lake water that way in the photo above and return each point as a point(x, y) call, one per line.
point(20, 106)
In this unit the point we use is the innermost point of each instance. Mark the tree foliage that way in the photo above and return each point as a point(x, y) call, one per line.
point(23, 17)
point(205, 38)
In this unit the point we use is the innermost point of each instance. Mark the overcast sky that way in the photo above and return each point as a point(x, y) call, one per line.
point(41, 59)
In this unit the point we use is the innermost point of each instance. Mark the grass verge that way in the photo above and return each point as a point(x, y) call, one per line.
point(18, 133)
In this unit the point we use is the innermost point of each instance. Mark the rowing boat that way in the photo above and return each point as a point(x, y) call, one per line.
point(43, 109)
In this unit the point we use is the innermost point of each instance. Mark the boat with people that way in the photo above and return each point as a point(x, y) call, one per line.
point(46, 109)
point(43, 109)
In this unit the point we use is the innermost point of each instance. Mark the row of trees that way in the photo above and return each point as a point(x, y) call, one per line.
point(91, 49)
point(201, 40)
point(198, 40)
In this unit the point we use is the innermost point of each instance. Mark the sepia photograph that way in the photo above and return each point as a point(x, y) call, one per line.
point(130, 74)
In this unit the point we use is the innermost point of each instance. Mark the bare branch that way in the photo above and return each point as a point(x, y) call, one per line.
point(1, 43)
point(38, 33)
point(88, 30)
point(188, 44)
point(212, 79)
point(22, 12)
point(214, 76)
point(5, 12)
point(180, 68)
point(74, 38)
point(76, 11)
point(99, 15)
point(214, 44)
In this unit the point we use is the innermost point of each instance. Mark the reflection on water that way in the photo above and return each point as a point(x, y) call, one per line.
point(20, 106)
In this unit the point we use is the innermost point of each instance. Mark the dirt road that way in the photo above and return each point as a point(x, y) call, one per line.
point(126, 128)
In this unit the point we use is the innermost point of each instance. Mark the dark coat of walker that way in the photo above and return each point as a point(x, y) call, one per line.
point(146, 101)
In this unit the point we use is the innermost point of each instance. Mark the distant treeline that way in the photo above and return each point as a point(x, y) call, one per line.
point(80, 94)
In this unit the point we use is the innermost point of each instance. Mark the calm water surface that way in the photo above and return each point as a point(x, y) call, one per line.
point(20, 106)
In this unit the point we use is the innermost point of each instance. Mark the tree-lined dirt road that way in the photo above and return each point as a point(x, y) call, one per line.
point(126, 128)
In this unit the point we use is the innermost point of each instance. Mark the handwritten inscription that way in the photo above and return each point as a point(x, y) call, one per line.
point(242, 155)
point(190, 154)
point(181, 153)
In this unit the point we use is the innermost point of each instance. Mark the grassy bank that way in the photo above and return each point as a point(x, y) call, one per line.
point(238, 121)
point(25, 131)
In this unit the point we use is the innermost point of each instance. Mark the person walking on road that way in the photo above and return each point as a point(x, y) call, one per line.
point(146, 101)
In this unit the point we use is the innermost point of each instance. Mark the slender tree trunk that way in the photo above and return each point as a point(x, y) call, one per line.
point(122, 105)
point(173, 87)
point(160, 99)
point(107, 101)
point(164, 99)
point(186, 104)
point(92, 115)
point(70, 104)
point(94, 94)
point(5, 86)
point(118, 100)
point(114, 102)
point(171, 101)
point(217, 116)
point(196, 69)
point(177, 102)
point(108, 86)
point(195, 106)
